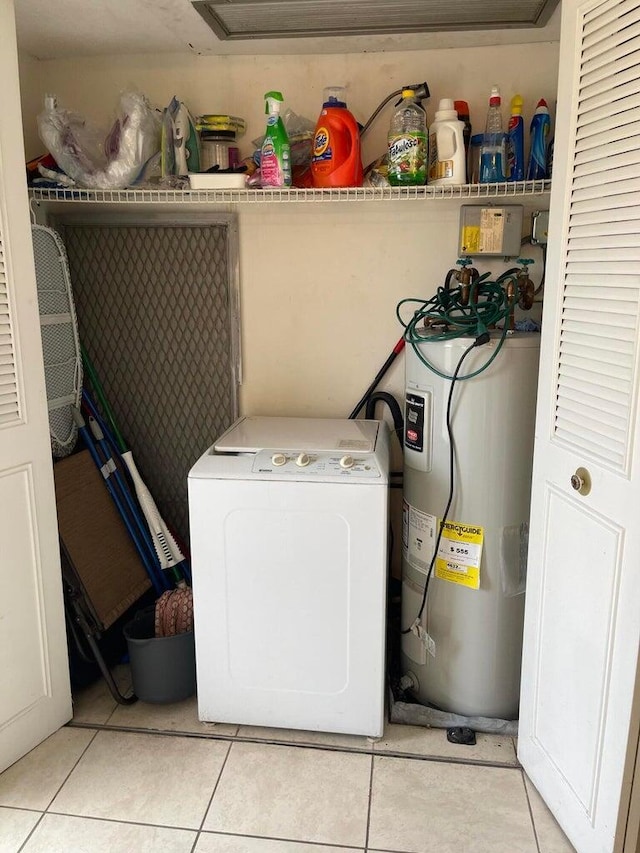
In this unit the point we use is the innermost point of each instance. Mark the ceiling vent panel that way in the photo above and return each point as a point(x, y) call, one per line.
point(274, 19)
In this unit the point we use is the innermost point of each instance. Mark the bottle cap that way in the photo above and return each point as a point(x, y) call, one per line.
point(542, 105)
point(210, 135)
point(446, 111)
point(334, 96)
point(516, 105)
point(495, 100)
point(272, 102)
point(462, 108)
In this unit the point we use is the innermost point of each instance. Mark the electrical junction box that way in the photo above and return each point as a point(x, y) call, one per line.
point(491, 231)
point(540, 227)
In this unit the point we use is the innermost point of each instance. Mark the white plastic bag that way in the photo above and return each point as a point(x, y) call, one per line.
point(118, 160)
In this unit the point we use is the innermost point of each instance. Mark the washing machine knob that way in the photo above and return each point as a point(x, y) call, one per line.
point(303, 460)
point(347, 462)
point(278, 459)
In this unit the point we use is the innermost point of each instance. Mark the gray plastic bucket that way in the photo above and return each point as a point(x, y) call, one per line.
point(163, 669)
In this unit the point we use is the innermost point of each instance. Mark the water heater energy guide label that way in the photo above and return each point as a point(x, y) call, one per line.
point(459, 554)
point(419, 530)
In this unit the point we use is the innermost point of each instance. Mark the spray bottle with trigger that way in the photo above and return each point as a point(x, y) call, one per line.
point(275, 155)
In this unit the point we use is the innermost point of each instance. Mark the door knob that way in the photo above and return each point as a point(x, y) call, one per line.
point(581, 481)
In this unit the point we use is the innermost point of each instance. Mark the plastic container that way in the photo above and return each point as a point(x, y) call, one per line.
point(163, 669)
point(475, 151)
point(493, 154)
point(218, 180)
point(447, 162)
point(515, 142)
point(462, 109)
point(550, 159)
point(336, 159)
point(540, 127)
point(218, 148)
point(407, 151)
point(213, 121)
point(275, 154)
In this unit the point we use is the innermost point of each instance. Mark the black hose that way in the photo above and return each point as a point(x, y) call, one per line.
point(544, 269)
point(394, 408)
point(507, 273)
point(479, 341)
point(422, 93)
point(390, 359)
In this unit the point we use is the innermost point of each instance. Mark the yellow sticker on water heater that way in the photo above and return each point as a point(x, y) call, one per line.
point(459, 554)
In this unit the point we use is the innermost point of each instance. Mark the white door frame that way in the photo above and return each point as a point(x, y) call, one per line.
point(34, 670)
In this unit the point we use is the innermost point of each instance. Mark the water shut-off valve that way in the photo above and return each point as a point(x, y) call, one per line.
point(526, 288)
point(465, 276)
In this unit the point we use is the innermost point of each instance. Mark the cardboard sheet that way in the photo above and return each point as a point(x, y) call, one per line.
point(96, 539)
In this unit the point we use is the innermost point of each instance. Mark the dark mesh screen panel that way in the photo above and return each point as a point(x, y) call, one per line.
point(156, 315)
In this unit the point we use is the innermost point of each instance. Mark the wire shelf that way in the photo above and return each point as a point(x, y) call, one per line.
point(258, 196)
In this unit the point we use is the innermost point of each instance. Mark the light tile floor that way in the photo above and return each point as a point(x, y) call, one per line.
point(153, 779)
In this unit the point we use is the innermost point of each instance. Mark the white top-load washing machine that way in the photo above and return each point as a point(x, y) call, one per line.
point(289, 521)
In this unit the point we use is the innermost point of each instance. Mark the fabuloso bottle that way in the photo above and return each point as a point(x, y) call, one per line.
point(275, 155)
point(540, 126)
point(515, 141)
point(407, 153)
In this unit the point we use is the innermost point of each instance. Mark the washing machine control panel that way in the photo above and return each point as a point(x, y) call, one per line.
point(318, 464)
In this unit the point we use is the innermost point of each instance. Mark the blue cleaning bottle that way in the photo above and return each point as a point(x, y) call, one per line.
point(540, 126)
point(515, 141)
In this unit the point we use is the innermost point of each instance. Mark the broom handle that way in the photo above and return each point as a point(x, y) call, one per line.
point(176, 562)
point(158, 584)
point(99, 392)
point(166, 547)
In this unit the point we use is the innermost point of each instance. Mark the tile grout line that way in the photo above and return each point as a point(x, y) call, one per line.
point(120, 821)
point(123, 821)
point(366, 836)
point(64, 782)
point(114, 709)
point(33, 829)
point(533, 822)
point(387, 850)
point(321, 844)
point(120, 685)
point(213, 793)
point(231, 739)
point(347, 750)
point(66, 778)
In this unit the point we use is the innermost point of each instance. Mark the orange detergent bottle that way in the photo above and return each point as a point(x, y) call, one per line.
point(336, 159)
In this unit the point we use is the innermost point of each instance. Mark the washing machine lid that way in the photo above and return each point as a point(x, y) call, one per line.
point(252, 434)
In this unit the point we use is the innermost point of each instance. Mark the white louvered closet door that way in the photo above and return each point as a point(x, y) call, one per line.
point(582, 623)
point(34, 675)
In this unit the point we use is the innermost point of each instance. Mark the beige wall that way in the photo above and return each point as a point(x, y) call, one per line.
point(236, 84)
point(30, 71)
point(319, 282)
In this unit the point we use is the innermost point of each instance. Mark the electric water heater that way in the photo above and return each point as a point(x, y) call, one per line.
point(465, 651)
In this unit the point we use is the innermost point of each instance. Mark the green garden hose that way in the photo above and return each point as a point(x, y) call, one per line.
point(447, 315)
